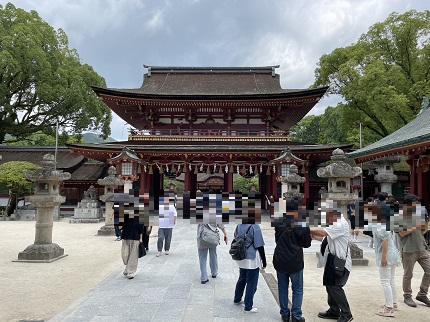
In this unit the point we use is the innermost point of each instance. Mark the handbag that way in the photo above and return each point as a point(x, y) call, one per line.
point(210, 236)
point(334, 268)
point(142, 250)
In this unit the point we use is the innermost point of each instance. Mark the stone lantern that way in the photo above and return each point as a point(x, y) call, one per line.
point(386, 176)
point(339, 174)
point(294, 181)
point(111, 182)
point(127, 164)
point(286, 165)
point(46, 197)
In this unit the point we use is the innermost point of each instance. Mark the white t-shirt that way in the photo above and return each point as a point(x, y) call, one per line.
point(338, 239)
point(166, 215)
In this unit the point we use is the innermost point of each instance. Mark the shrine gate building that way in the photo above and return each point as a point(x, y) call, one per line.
point(213, 120)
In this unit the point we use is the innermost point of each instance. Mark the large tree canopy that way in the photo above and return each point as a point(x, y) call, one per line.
point(383, 77)
point(42, 80)
point(12, 178)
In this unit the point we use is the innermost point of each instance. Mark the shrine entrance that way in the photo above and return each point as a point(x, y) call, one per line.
point(205, 126)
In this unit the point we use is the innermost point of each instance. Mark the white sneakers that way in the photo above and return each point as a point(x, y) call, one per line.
point(166, 252)
point(131, 275)
point(253, 310)
point(158, 254)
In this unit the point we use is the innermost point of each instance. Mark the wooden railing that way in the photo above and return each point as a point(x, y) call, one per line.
point(209, 135)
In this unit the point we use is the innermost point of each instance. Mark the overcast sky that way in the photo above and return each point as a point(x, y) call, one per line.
point(117, 37)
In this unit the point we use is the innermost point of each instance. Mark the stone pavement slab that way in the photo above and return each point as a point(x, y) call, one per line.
point(168, 288)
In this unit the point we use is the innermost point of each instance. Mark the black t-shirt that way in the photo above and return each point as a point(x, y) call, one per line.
point(288, 256)
point(132, 229)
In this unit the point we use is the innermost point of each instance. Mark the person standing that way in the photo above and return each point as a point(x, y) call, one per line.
point(414, 249)
point(131, 236)
point(166, 222)
point(250, 266)
point(288, 261)
point(335, 242)
point(204, 248)
point(351, 216)
point(387, 257)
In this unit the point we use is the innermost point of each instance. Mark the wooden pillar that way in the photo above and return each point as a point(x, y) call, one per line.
point(412, 178)
point(187, 180)
point(274, 184)
point(419, 182)
point(307, 183)
point(228, 182)
point(142, 180)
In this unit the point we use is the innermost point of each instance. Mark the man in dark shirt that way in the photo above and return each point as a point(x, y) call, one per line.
point(291, 236)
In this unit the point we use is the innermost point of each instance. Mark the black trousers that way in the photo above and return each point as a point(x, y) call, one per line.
point(336, 297)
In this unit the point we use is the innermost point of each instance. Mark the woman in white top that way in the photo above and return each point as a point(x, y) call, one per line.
point(387, 256)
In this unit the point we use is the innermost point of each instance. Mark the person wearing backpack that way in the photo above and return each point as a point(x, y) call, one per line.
point(291, 236)
point(250, 266)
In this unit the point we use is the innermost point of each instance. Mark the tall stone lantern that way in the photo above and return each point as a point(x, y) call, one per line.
point(386, 176)
point(111, 182)
point(294, 182)
point(339, 175)
point(46, 197)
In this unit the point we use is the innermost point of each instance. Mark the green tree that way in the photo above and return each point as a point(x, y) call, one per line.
point(41, 139)
point(383, 77)
point(307, 130)
point(42, 80)
point(243, 184)
point(179, 185)
point(12, 179)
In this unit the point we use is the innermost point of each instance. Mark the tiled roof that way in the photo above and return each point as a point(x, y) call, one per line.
point(66, 158)
point(90, 172)
point(214, 81)
point(415, 132)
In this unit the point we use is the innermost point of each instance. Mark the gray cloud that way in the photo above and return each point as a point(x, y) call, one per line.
point(117, 37)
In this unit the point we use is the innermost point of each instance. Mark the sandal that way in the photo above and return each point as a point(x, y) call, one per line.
point(394, 306)
point(385, 311)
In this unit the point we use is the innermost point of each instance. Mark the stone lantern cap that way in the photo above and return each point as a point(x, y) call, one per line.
point(111, 180)
point(47, 172)
point(293, 177)
point(339, 168)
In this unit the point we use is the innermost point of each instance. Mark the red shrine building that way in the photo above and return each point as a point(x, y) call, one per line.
point(218, 121)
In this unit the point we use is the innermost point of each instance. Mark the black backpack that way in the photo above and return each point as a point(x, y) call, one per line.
point(238, 248)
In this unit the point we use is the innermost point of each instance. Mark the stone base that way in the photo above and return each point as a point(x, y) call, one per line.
point(85, 213)
point(357, 256)
point(106, 231)
point(44, 253)
point(360, 262)
point(85, 220)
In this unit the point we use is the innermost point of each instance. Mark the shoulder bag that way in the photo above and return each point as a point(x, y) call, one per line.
point(210, 236)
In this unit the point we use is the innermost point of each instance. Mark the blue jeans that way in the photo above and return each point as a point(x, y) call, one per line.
point(117, 231)
point(213, 262)
point(297, 291)
point(248, 278)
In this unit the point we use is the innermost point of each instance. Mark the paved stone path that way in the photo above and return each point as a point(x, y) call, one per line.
point(168, 288)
